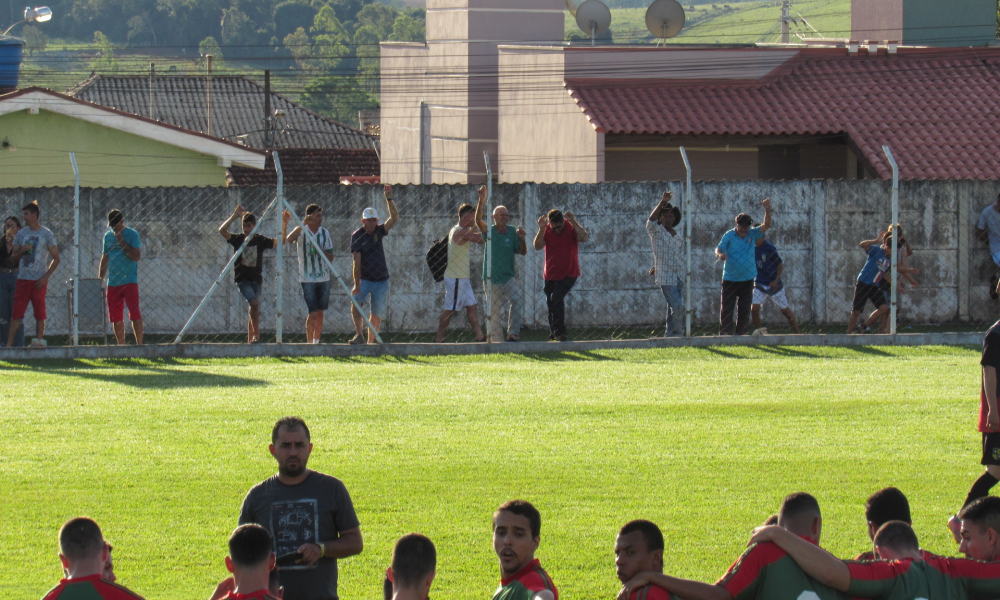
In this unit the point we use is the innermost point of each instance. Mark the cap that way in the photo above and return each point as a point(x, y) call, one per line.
point(369, 213)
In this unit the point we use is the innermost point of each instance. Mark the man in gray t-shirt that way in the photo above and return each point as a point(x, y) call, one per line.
point(307, 512)
point(34, 245)
point(988, 228)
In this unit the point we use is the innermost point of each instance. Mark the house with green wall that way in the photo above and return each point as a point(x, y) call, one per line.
point(39, 129)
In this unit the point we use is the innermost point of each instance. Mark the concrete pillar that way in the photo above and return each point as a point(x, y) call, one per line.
point(535, 310)
point(963, 251)
point(818, 250)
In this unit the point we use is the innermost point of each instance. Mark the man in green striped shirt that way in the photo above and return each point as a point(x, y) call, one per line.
point(83, 553)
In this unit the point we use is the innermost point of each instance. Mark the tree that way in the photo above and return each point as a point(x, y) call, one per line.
point(289, 16)
point(338, 98)
point(237, 28)
point(408, 29)
point(379, 17)
point(298, 44)
point(366, 48)
point(210, 47)
point(105, 60)
point(34, 39)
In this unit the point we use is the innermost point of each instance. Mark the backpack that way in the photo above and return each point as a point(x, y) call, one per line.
point(437, 258)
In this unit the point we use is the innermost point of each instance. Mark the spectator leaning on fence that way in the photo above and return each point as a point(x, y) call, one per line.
point(988, 228)
point(313, 274)
point(737, 249)
point(768, 284)
point(248, 272)
point(8, 281)
point(501, 284)
point(119, 263)
point(879, 252)
point(33, 245)
point(458, 289)
point(371, 274)
point(561, 239)
point(668, 254)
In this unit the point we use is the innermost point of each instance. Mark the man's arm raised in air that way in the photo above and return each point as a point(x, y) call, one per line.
point(481, 209)
point(393, 211)
point(815, 561)
point(685, 588)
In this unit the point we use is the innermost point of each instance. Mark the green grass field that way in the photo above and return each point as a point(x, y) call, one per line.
point(705, 442)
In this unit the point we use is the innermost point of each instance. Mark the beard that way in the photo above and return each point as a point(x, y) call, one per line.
point(292, 468)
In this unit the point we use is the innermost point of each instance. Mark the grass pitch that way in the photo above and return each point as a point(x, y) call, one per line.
point(705, 442)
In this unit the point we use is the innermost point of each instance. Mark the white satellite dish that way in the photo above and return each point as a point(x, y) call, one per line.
point(665, 18)
point(571, 7)
point(593, 17)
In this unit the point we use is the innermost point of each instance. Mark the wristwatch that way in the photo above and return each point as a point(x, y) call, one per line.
point(322, 549)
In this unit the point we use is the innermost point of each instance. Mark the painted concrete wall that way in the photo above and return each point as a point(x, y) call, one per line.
point(925, 22)
point(817, 227)
point(106, 157)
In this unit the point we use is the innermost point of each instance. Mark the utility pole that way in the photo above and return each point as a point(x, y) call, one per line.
point(786, 19)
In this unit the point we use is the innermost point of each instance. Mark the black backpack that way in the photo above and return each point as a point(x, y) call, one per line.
point(437, 258)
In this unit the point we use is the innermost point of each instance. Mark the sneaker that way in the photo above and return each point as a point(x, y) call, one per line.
point(38, 343)
point(955, 526)
point(357, 340)
point(759, 332)
point(563, 338)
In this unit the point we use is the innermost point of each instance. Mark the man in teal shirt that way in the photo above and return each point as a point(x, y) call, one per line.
point(500, 283)
point(737, 249)
point(119, 263)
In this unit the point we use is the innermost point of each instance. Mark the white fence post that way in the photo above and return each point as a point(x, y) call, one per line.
point(76, 251)
point(279, 301)
point(687, 214)
point(894, 283)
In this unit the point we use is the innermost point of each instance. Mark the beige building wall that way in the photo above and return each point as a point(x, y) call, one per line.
point(877, 20)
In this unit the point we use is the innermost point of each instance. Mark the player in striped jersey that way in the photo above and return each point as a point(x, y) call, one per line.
point(639, 548)
point(517, 529)
point(313, 274)
point(84, 553)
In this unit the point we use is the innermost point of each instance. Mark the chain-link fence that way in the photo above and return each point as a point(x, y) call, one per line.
point(817, 229)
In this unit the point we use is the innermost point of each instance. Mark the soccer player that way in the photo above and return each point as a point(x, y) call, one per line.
point(248, 271)
point(768, 284)
point(989, 423)
point(879, 252)
point(313, 274)
point(505, 244)
point(763, 571)
point(980, 529)
point(296, 503)
point(414, 560)
point(84, 554)
point(561, 238)
point(371, 274)
point(33, 245)
point(907, 576)
point(639, 548)
point(887, 504)
point(736, 248)
point(251, 561)
point(668, 253)
point(458, 292)
point(517, 529)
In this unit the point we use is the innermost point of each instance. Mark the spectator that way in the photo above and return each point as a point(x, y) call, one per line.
point(251, 561)
point(517, 529)
point(8, 281)
point(371, 275)
point(414, 560)
point(768, 284)
point(458, 292)
point(668, 255)
point(988, 229)
point(283, 503)
point(866, 288)
point(248, 272)
point(561, 239)
point(502, 284)
point(84, 555)
point(903, 266)
point(980, 529)
point(313, 273)
point(33, 245)
point(639, 548)
point(119, 263)
point(737, 250)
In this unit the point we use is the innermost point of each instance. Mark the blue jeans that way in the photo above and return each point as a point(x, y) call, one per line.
point(317, 295)
point(379, 291)
point(674, 295)
point(8, 281)
point(250, 290)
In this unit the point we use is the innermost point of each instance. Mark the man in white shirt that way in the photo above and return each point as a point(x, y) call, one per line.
point(668, 254)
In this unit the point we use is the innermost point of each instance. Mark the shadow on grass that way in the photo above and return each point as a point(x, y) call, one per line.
point(788, 351)
point(555, 356)
point(872, 350)
point(148, 376)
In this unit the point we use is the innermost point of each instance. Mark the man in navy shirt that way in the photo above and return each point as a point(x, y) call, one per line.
point(371, 275)
point(879, 260)
point(768, 284)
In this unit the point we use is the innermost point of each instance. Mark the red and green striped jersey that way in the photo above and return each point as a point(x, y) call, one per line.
point(651, 592)
point(870, 555)
point(258, 595)
point(90, 588)
point(525, 583)
point(937, 578)
point(766, 571)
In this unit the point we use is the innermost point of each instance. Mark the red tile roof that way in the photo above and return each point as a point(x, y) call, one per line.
point(303, 166)
point(938, 109)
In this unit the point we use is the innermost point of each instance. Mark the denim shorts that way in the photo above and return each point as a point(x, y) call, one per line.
point(379, 291)
point(317, 295)
point(250, 290)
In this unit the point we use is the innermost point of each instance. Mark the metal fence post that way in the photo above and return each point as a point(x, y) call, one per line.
point(894, 282)
point(279, 301)
point(75, 326)
point(489, 247)
point(688, 213)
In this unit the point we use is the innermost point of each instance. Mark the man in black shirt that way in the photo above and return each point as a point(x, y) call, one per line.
point(248, 269)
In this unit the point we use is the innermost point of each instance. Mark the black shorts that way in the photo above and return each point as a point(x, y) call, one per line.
point(991, 449)
point(864, 292)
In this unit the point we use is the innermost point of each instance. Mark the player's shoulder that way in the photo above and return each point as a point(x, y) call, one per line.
point(650, 592)
point(537, 579)
point(113, 591)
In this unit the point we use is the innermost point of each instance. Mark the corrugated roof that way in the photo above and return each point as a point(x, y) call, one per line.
point(310, 166)
point(938, 109)
point(237, 109)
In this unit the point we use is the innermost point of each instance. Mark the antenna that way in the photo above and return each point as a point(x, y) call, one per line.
point(593, 17)
point(665, 19)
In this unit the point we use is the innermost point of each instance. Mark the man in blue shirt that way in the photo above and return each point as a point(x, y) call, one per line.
point(737, 250)
point(879, 260)
point(119, 262)
point(768, 284)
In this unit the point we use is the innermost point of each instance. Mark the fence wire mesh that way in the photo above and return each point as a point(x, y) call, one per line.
point(817, 228)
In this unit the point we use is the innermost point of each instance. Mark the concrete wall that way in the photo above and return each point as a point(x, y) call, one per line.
point(925, 22)
point(877, 20)
point(106, 157)
point(817, 227)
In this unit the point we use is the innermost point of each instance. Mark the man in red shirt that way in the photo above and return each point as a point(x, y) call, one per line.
point(639, 548)
point(517, 527)
point(84, 553)
point(251, 560)
point(561, 238)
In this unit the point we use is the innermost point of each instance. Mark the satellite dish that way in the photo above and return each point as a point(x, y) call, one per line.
point(571, 7)
point(665, 18)
point(593, 17)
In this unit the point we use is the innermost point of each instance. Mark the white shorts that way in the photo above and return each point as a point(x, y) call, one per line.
point(458, 294)
point(780, 299)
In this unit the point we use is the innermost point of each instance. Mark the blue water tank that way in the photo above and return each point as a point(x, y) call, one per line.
point(11, 49)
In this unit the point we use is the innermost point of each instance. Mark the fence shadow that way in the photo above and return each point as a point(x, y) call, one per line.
point(142, 374)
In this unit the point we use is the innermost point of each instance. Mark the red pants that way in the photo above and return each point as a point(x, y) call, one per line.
point(25, 292)
point(118, 297)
